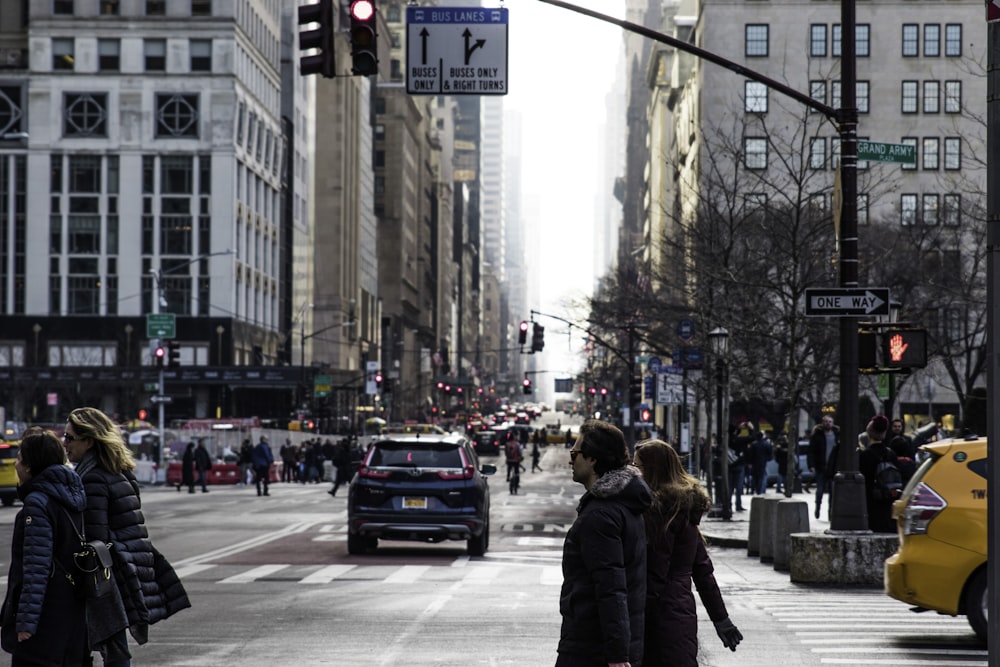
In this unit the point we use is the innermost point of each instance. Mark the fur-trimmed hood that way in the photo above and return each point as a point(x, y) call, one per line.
point(625, 485)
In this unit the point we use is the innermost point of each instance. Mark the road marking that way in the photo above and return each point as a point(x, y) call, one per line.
point(189, 570)
point(253, 575)
point(482, 573)
point(246, 545)
point(406, 574)
point(551, 576)
point(327, 574)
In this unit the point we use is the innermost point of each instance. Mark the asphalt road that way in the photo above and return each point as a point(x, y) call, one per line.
point(272, 584)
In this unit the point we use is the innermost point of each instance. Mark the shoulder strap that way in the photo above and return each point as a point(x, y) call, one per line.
point(79, 532)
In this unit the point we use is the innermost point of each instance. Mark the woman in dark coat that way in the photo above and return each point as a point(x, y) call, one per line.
point(44, 621)
point(149, 588)
point(676, 556)
point(187, 468)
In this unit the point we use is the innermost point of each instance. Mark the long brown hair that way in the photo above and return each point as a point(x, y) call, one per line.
point(676, 493)
point(112, 452)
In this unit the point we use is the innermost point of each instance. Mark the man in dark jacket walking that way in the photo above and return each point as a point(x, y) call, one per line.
point(202, 463)
point(603, 594)
point(824, 444)
point(263, 457)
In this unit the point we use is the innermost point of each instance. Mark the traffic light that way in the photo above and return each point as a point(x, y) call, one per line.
point(378, 379)
point(538, 338)
point(526, 385)
point(522, 334)
point(364, 45)
point(158, 352)
point(904, 348)
point(319, 39)
point(867, 349)
point(173, 354)
point(634, 392)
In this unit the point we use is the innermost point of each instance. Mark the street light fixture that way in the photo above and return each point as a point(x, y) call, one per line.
point(718, 341)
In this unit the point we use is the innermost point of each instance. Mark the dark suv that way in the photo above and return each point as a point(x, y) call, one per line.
point(420, 487)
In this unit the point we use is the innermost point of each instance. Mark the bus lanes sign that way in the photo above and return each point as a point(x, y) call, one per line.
point(456, 51)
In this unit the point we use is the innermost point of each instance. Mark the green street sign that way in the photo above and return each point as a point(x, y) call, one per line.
point(161, 325)
point(321, 385)
point(873, 151)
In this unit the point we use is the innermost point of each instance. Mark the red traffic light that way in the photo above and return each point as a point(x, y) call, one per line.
point(143, 414)
point(362, 10)
point(645, 415)
point(160, 352)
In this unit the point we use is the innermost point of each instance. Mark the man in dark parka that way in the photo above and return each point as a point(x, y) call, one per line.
point(604, 557)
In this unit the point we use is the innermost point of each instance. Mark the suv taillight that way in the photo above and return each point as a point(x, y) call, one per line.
point(365, 471)
point(923, 506)
point(468, 472)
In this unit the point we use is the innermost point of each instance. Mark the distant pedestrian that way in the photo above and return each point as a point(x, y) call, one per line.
point(288, 463)
point(739, 450)
point(761, 451)
point(781, 460)
point(603, 594)
point(675, 557)
point(187, 468)
point(536, 454)
point(883, 479)
point(203, 464)
point(512, 452)
point(905, 450)
point(43, 619)
point(262, 460)
point(246, 461)
point(342, 468)
point(824, 447)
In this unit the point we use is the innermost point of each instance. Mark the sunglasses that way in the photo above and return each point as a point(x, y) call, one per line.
point(71, 438)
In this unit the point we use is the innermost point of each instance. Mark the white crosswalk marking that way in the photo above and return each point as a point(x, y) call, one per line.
point(253, 575)
point(327, 574)
point(189, 570)
point(406, 574)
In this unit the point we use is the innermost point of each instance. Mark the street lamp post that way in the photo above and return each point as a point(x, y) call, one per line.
point(718, 340)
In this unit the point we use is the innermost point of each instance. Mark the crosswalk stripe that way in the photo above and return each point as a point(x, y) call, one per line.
point(189, 570)
point(253, 574)
point(406, 574)
point(327, 574)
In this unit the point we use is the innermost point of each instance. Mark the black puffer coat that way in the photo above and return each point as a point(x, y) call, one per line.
point(40, 599)
point(604, 572)
point(149, 587)
point(677, 556)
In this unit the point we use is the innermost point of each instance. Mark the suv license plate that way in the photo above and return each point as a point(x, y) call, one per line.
point(412, 503)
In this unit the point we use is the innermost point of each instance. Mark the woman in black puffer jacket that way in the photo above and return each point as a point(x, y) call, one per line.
point(149, 588)
point(43, 617)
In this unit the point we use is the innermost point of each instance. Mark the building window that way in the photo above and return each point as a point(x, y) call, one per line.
point(62, 53)
point(756, 37)
point(754, 202)
point(817, 40)
point(862, 40)
point(951, 211)
point(932, 40)
point(908, 209)
point(155, 51)
point(953, 40)
point(83, 292)
point(817, 91)
point(930, 212)
point(11, 112)
point(911, 40)
point(108, 55)
point(931, 159)
point(201, 55)
point(109, 7)
point(755, 152)
point(817, 153)
point(932, 96)
point(156, 7)
point(953, 97)
point(911, 141)
point(861, 93)
point(85, 115)
point(952, 153)
point(176, 115)
point(201, 7)
point(62, 7)
point(862, 209)
point(755, 97)
point(910, 97)
point(835, 94)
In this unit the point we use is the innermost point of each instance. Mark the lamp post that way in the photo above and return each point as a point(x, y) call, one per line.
point(718, 340)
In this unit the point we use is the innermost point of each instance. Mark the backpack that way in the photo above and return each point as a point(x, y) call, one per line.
point(512, 451)
point(888, 481)
point(90, 572)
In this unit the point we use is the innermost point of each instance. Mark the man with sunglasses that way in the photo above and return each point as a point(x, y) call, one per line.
point(604, 557)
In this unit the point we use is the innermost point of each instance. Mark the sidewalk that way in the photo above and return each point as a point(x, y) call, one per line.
point(734, 533)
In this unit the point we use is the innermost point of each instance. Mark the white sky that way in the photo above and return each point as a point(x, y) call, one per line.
point(561, 66)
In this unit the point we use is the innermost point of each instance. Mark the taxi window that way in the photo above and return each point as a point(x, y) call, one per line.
point(979, 467)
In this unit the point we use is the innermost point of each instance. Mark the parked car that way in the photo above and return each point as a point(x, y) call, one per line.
point(425, 488)
point(8, 476)
point(941, 561)
point(487, 442)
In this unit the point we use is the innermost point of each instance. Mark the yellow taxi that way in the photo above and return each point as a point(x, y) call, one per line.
point(557, 435)
point(8, 476)
point(941, 517)
point(425, 429)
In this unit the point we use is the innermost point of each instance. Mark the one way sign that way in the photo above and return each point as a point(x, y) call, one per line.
point(847, 301)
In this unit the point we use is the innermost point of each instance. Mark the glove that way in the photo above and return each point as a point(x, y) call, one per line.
point(728, 633)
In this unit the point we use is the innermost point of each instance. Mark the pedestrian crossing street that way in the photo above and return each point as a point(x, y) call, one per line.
point(865, 627)
point(532, 569)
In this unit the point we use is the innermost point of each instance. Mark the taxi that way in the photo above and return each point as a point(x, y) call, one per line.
point(8, 475)
point(425, 429)
point(941, 517)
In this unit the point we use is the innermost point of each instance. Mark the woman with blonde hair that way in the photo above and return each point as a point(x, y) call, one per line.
point(675, 556)
point(149, 589)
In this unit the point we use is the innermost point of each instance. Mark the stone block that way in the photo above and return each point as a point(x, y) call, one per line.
point(768, 510)
point(792, 517)
point(753, 535)
point(845, 557)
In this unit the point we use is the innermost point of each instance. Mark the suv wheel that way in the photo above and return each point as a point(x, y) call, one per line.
point(477, 546)
point(976, 602)
point(358, 545)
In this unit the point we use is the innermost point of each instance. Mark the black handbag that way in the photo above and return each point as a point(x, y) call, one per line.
point(91, 571)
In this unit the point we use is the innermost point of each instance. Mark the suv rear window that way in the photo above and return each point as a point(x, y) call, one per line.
point(403, 455)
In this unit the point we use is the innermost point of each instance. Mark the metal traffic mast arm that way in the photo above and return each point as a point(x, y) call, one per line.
point(603, 343)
